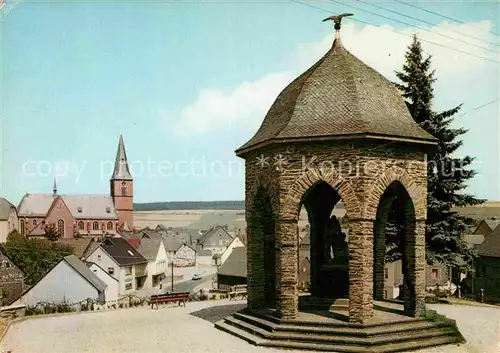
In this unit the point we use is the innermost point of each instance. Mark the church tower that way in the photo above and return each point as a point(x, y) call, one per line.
point(122, 190)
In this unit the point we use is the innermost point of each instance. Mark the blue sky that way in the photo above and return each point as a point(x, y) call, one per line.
point(189, 82)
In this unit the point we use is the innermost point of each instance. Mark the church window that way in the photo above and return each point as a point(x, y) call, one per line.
point(23, 229)
point(34, 222)
point(110, 225)
point(60, 228)
point(81, 225)
point(124, 189)
point(95, 226)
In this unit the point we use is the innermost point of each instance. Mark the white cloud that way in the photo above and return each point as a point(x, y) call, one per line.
point(380, 47)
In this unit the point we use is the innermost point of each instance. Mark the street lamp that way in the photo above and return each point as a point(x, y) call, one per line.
point(217, 263)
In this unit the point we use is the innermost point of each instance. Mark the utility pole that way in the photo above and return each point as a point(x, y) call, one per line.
point(172, 275)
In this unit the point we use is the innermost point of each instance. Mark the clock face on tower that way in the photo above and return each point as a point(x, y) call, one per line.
point(124, 183)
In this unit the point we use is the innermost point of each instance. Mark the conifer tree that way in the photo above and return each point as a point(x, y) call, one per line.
point(447, 173)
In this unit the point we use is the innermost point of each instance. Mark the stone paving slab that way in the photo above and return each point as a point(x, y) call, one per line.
point(191, 329)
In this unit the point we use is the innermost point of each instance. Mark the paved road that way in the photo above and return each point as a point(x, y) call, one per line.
point(186, 286)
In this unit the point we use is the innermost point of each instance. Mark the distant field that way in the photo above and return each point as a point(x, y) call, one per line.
point(201, 219)
point(486, 210)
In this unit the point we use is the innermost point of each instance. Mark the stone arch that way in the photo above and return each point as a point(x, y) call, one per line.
point(295, 196)
point(417, 193)
point(261, 181)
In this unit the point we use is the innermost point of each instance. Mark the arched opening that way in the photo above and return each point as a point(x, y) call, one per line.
point(81, 225)
point(326, 248)
point(23, 227)
point(394, 230)
point(109, 226)
point(263, 250)
point(60, 228)
point(95, 226)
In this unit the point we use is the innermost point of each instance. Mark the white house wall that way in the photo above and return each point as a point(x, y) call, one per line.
point(105, 262)
point(236, 243)
point(112, 291)
point(185, 256)
point(61, 284)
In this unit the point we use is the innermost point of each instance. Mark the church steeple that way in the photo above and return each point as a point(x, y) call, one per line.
point(122, 188)
point(121, 171)
point(54, 189)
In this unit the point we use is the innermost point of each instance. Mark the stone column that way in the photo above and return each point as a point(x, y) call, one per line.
point(287, 303)
point(414, 265)
point(360, 270)
point(255, 263)
point(379, 260)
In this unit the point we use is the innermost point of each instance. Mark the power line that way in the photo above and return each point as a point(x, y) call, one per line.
point(437, 14)
point(396, 32)
point(408, 24)
point(433, 24)
point(477, 108)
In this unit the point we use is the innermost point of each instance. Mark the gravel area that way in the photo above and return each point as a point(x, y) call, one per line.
point(191, 329)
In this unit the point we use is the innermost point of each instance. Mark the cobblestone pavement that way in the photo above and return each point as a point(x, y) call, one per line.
point(191, 329)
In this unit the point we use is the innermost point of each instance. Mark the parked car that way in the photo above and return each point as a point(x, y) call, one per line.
point(197, 277)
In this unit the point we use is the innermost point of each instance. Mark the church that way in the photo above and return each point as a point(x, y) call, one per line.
point(82, 215)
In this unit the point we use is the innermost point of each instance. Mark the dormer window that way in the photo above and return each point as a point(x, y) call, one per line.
point(108, 209)
point(79, 209)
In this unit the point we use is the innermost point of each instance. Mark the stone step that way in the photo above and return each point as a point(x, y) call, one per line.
point(343, 339)
point(242, 334)
point(276, 320)
point(389, 348)
point(319, 328)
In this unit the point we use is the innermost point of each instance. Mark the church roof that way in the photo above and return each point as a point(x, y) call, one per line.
point(5, 208)
point(338, 97)
point(80, 206)
point(121, 171)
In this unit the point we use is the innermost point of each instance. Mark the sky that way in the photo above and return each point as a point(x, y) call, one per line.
point(188, 82)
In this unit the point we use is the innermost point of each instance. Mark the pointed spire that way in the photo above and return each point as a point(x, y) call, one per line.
point(54, 189)
point(121, 171)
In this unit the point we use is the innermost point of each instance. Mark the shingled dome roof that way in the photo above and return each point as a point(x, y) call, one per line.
point(338, 97)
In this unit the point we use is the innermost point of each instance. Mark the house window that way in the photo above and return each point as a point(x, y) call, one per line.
point(23, 229)
point(386, 273)
point(98, 257)
point(483, 271)
point(7, 264)
point(110, 226)
point(385, 294)
point(60, 228)
point(81, 225)
point(111, 270)
point(434, 273)
point(34, 222)
point(128, 286)
point(128, 270)
point(95, 226)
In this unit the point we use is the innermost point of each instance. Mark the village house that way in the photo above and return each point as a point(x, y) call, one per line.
point(82, 247)
point(122, 261)
point(487, 226)
point(234, 269)
point(236, 243)
point(486, 278)
point(216, 239)
point(11, 279)
point(112, 291)
point(8, 219)
point(84, 215)
point(155, 252)
point(69, 281)
point(181, 254)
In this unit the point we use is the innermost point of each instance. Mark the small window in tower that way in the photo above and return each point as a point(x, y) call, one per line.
point(108, 210)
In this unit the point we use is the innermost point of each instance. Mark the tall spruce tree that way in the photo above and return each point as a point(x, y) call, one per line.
point(447, 174)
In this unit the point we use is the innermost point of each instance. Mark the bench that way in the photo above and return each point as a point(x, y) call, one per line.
point(180, 298)
point(239, 290)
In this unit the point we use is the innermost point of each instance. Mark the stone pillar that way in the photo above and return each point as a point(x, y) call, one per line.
point(255, 264)
point(360, 270)
point(379, 260)
point(287, 304)
point(318, 224)
point(414, 265)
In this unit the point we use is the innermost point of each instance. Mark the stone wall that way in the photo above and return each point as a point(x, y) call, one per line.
point(360, 172)
point(11, 280)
